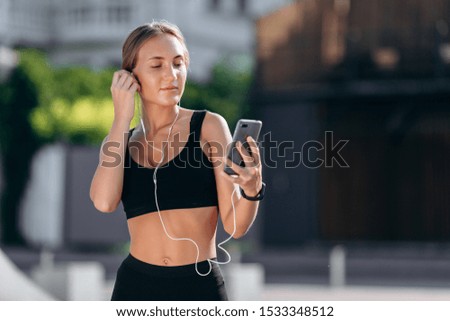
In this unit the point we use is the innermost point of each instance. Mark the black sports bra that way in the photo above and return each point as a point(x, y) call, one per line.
point(186, 181)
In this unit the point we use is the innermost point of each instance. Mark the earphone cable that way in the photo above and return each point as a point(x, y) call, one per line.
point(185, 238)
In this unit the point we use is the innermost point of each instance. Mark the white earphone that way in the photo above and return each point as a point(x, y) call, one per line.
point(185, 238)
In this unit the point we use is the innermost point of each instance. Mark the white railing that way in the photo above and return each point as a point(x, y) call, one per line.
point(99, 22)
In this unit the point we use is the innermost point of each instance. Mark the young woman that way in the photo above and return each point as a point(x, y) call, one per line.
point(170, 177)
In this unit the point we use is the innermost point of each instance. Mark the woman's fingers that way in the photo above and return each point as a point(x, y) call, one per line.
point(123, 88)
point(248, 177)
point(116, 76)
point(124, 80)
point(115, 80)
point(248, 160)
point(254, 158)
point(128, 82)
point(135, 87)
point(124, 76)
point(235, 167)
point(255, 150)
point(119, 77)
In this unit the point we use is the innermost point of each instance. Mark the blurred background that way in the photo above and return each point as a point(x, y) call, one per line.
point(356, 130)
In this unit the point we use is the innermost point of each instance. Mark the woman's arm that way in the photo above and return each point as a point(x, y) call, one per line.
point(106, 186)
point(215, 130)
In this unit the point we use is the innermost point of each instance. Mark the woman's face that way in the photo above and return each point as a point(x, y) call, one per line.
point(161, 70)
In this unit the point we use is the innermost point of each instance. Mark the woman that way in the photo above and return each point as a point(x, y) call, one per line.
point(172, 192)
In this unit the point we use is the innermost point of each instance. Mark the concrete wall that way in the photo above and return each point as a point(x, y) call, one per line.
point(56, 210)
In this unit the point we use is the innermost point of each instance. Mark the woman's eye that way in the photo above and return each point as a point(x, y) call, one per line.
point(156, 66)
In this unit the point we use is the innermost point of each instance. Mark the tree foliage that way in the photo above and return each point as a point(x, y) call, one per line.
point(18, 143)
point(74, 103)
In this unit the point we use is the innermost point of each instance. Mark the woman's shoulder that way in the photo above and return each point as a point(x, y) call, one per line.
point(214, 119)
point(215, 127)
point(209, 121)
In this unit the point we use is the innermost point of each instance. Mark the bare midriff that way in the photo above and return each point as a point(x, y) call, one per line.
point(149, 242)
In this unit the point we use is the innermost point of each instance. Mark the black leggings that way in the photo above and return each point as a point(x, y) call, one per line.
point(140, 281)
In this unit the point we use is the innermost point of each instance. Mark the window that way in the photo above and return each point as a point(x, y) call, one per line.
point(215, 5)
point(242, 6)
point(119, 14)
point(83, 14)
point(79, 15)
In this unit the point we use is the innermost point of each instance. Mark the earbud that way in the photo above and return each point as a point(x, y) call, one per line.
point(135, 77)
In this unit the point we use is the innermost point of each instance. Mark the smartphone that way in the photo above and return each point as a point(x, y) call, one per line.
point(244, 128)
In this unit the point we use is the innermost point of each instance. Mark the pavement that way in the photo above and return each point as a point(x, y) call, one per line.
point(296, 292)
point(387, 273)
point(284, 292)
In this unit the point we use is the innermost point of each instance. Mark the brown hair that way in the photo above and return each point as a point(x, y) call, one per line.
point(144, 32)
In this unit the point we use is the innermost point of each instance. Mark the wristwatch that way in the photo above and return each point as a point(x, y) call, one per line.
point(258, 196)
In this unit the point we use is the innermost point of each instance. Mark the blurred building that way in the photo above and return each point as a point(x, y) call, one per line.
point(374, 73)
point(91, 32)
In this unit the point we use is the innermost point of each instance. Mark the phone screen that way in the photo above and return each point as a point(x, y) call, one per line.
point(244, 128)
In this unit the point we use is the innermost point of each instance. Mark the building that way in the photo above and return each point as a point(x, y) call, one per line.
point(373, 73)
point(91, 32)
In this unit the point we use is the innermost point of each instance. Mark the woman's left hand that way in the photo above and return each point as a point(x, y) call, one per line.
point(249, 177)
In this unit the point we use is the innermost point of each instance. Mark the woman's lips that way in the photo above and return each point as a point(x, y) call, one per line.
point(169, 88)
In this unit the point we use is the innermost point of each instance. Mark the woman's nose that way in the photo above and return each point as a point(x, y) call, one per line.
point(170, 72)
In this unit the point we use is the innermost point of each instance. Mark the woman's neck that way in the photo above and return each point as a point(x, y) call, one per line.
point(156, 118)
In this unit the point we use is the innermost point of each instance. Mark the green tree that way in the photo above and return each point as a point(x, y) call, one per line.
point(18, 144)
point(226, 93)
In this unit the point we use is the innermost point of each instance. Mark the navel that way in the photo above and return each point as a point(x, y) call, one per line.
point(166, 261)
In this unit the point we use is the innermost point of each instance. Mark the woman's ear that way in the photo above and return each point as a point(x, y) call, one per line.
point(136, 78)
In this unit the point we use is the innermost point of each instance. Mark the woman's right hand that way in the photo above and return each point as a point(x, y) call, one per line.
point(124, 86)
